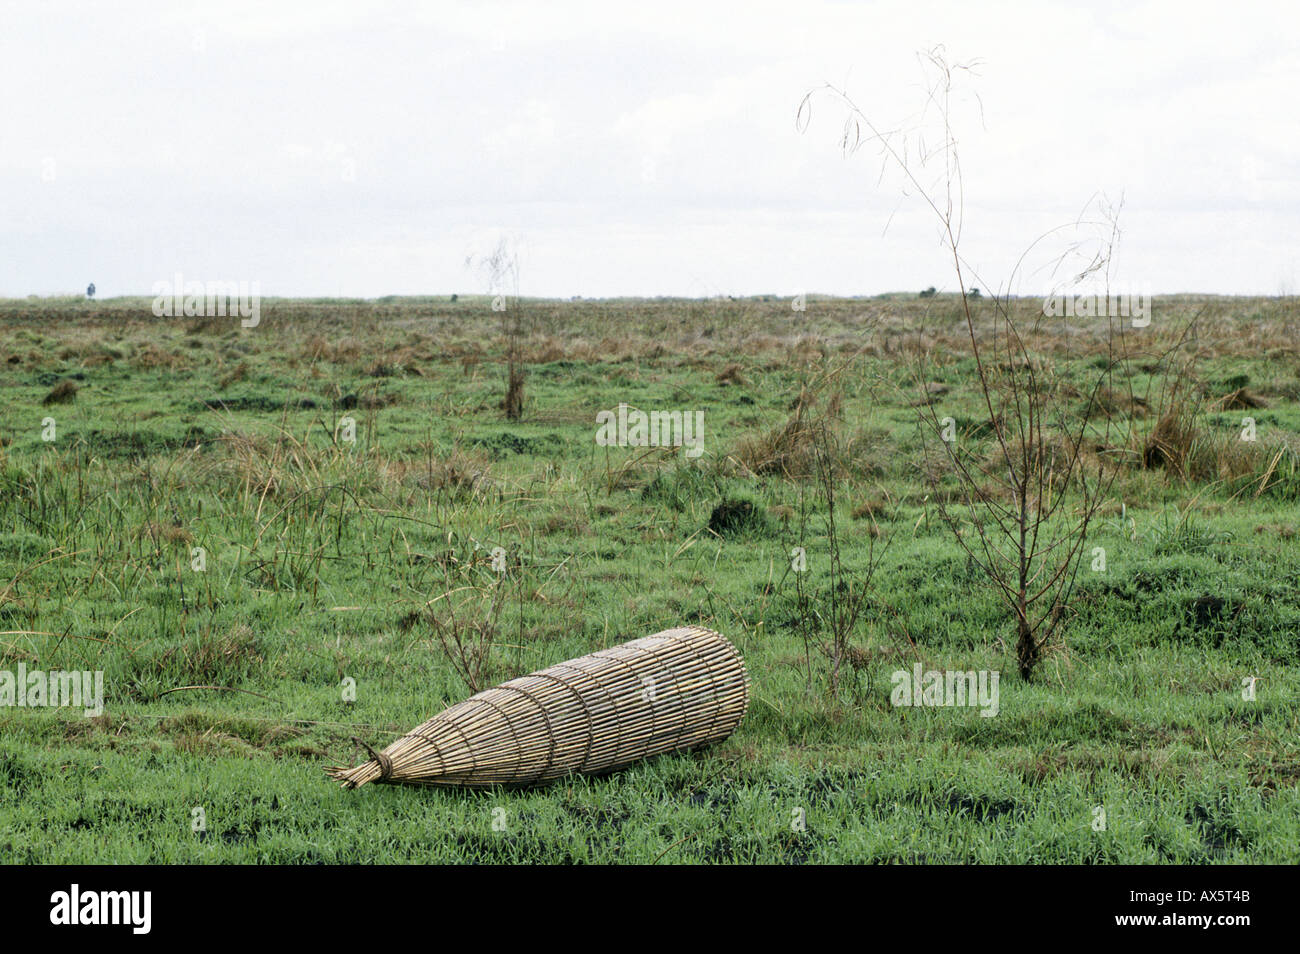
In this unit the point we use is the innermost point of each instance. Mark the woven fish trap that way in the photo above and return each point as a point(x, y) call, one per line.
point(676, 690)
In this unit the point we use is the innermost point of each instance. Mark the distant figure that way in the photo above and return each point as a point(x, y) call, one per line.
point(90, 290)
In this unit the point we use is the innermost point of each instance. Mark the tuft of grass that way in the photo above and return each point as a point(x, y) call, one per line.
point(731, 374)
point(62, 393)
point(736, 517)
point(785, 451)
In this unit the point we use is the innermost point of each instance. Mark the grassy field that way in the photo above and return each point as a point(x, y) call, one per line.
point(129, 442)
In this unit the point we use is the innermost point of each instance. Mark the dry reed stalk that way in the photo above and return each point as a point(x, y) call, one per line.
point(676, 690)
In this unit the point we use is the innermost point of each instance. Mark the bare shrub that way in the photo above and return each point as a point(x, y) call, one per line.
point(501, 266)
point(829, 615)
point(1021, 512)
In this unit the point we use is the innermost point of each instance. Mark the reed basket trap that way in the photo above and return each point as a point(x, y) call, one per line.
point(669, 692)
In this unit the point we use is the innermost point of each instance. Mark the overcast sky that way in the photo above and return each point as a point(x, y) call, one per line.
point(329, 148)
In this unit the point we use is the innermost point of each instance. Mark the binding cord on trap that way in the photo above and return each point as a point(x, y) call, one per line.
point(343, 773)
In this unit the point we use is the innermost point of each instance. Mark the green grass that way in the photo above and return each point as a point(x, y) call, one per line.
point(323, 556)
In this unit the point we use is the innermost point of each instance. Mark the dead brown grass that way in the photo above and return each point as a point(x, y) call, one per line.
point(731, 374)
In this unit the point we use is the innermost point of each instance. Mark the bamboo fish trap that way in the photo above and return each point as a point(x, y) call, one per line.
point(669, 692)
